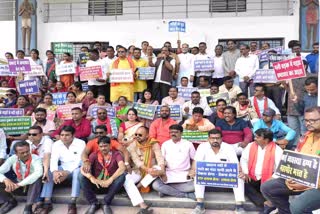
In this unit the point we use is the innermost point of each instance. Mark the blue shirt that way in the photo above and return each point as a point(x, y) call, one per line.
point(277, 127)
point(312, 61)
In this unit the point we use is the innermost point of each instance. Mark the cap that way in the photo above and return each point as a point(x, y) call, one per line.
point(269, 112)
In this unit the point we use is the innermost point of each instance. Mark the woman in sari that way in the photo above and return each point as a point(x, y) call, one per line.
point(147, 98)
point(47, 103)
point(121, 110)
point(101, 102)
point(22, 102)
point(50, 65)
point(71, 98)
point(67, 79)
point(87, 101)
point(77, 89)
point(128, 129)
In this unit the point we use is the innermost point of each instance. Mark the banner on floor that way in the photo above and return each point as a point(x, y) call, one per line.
point(63, 69)
point(11, 112)
point(19, 65)
point(59, 98)
point(301, 168)
point(212, 99)
point(264, 76)
point(195, 136)
point(146, 73)
point(64, 111)
point(121, 76)
point(145, 111)
point(90, 73)
point(289, 69)
point(27, 87)
point(15, 125)
point(217, 174)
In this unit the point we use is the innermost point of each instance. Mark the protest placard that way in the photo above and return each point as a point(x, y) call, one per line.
point(195, 136)
point(211, 100)
point(146, 73)
point(204, 65)
point(4, 71)
point(263, 55)
point(59, 98)
point(289, 69)
point(64, 111)
point(111, 111)
point(204, 92)
point(175, 112)
point(177, 26)
point(85, 86)
point(68, 68)
point(28, 87)
point(185, 92)
point(19, 65)
point(36, 70)
point(83, 59)
point(11, 112)
point(50, 115)
point(301, 168)
point(15, 125)
point(62, 47)
point(114, 128)
point(217, 174)
point(121, 75)
point(145, 111)
point(264, 76)
point(277, 58)
point(90, 73)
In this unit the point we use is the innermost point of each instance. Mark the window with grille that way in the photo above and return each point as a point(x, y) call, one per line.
point(274, 42)
point(105, 7)
point(222, 6)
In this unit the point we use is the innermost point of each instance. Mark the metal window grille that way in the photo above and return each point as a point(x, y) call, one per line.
point(222, 6)
point(105, 8)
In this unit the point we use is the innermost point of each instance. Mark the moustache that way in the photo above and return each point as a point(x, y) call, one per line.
point(215, 144)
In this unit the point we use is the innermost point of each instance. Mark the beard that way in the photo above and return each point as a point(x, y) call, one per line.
point(215, 144)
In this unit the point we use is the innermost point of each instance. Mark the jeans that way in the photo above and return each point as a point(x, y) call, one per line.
point(178, 190)
point(244, 87)
point(296, 123)
point(89, 189)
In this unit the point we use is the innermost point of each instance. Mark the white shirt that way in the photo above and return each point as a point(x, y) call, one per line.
point(218, 67)
point(246, 66)
point(203, 104)
point(260, 157)
point(226, 153)
point(186, 65)
point(3, 145)
point(177, 157)
point(158, 76)
point(104, 68)
point(70, 158)
point(44, 147)
point(108, 62)
point(261, 105)
point(200, 56)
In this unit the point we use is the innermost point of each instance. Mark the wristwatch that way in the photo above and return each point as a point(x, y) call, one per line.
point(126, 163)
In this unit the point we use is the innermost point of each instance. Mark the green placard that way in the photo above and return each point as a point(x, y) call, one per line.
point(195, 136)
point(62, 47)
point(15, 125)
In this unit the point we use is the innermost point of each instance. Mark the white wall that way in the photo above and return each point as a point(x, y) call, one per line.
point(156, 31)
point(8, 37)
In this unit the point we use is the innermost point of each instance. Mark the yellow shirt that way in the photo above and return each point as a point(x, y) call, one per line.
point(140, 85)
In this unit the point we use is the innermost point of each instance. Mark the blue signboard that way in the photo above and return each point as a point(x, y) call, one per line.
point(185, 92)
point(217, 174)
point(175, 112)
point(27, 87)
point(177, 26)
point(204, 65)
point(59, 98)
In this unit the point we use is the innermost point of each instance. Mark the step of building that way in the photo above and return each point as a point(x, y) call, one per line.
point(215, 199)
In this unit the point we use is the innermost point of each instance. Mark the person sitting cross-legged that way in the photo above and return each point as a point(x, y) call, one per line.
point(107, 176)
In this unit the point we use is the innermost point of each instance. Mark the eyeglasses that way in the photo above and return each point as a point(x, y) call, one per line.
point(99, 132)
point(9, 95)
point(311, 121)
point(140, 135)
point(33, 134)
point(102, 113)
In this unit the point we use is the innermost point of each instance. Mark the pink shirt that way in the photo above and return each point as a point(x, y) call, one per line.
point(169, 101)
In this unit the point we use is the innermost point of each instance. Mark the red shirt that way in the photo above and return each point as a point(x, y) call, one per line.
point(83, 130)
point(160, 130)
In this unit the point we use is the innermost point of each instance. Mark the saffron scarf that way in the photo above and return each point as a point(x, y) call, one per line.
point(115, 65)
point(302, 141)
point(268, 161)
point(104, 174)
point(147, 159)
point(18, 168)
point(256, 106)
point(220, 114)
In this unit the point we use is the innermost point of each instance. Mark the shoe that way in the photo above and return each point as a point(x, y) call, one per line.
point(145, 211)
point(267, 209)
point(107, 209)
point(8, 206)
point(198, 210)
point(72, 209)
point(45, 209)
point(93, 208)
point(161, 195)
point(191, 195)
point(239, 209)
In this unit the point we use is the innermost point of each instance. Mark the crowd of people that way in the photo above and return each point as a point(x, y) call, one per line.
point(97, 154)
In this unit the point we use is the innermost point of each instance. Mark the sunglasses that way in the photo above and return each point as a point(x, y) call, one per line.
point(140, 135)
point(99, 133)
point(33, 134)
